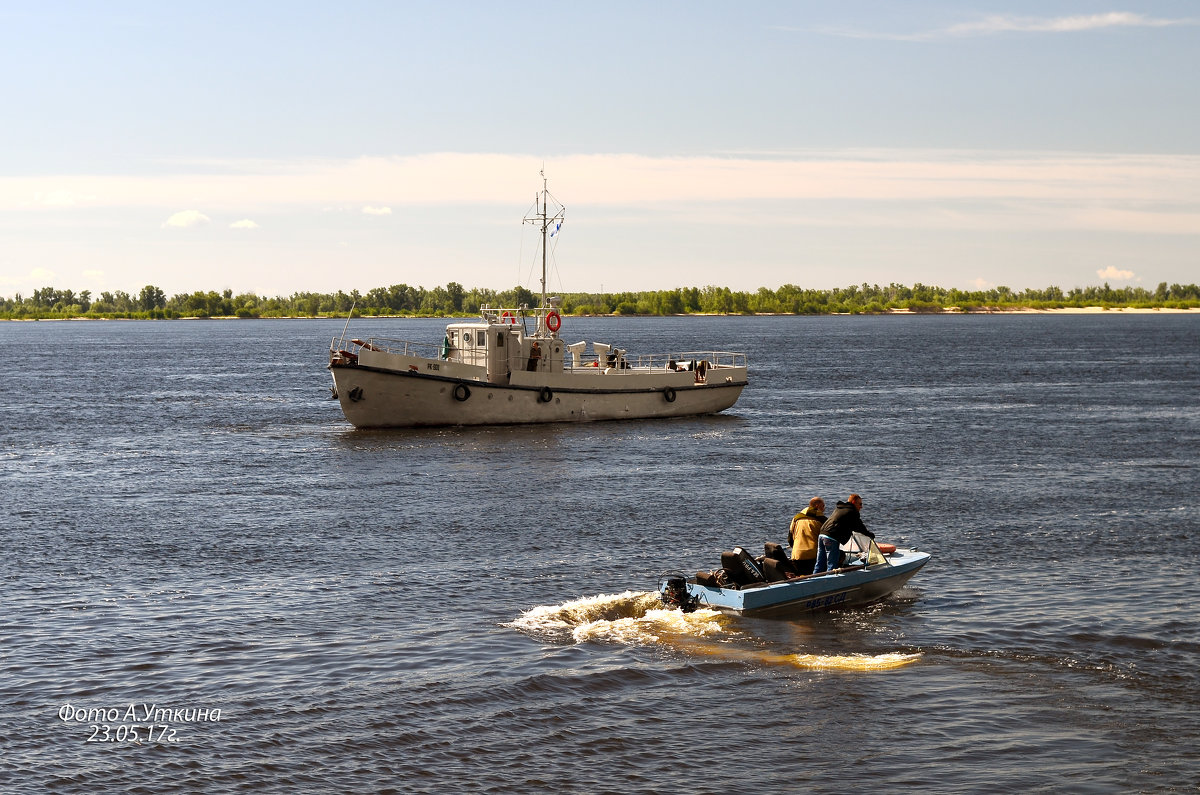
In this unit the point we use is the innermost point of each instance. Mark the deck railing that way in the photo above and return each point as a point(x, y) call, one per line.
point(626, 363)
point(688, 361)
point(428, 350)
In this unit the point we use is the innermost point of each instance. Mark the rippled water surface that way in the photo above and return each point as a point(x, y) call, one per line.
point(189, 526)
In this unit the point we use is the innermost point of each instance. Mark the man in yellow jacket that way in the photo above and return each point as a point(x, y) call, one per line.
point(802, 535)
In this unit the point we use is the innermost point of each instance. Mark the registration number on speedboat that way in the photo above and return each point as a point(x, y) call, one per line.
point(826, 601)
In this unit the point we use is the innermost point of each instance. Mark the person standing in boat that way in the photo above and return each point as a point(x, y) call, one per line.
point(802, 535)
point(535, 354)
point(836, 531)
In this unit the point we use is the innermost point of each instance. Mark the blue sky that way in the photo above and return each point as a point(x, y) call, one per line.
point(279, 147)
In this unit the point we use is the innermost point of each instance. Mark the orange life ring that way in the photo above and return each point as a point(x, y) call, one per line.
point(508, 318)
point(886, 549)
point(553, 321)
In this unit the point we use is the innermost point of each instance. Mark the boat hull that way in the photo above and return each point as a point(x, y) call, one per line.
point(383, 398)
point(846, 588)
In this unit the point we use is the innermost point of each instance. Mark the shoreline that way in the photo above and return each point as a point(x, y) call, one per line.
point(1066, 310)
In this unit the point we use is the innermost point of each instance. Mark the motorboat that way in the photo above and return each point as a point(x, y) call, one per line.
point(770, 586)
point(513, 365)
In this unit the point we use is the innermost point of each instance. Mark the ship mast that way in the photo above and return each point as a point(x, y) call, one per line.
point(541, 205)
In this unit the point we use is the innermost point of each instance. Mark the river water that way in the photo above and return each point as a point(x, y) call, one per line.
point(200, 551)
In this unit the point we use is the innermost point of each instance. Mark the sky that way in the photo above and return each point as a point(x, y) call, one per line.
point(274, 148)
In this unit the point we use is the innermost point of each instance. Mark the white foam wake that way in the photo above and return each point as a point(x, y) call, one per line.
point(639, 618)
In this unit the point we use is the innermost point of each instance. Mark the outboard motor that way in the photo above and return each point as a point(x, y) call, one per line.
point(745, 568)
point(673, 592)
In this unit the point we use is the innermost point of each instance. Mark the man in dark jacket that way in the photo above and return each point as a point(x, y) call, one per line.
point(836, 531)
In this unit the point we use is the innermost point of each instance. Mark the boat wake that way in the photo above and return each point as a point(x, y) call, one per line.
point(634, 618)
point(639, 618)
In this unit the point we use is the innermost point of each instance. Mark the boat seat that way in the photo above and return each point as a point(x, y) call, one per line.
point(733, 569)
point(779, 553)
point(776, 552)
point(776, 570)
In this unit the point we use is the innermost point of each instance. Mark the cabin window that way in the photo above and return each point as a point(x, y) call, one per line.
point(466, 338)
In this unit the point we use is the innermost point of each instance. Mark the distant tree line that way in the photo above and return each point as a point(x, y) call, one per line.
point(454, 299)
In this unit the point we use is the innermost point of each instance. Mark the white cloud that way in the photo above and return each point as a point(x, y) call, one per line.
point(1114, 19)
point(980, 283)
point(94, 275)
point(245, 223)
point(185, 219)
point(1114, 273)
point(61, 198)
point(1156, 194)
point(997, 24)
point(42, 274)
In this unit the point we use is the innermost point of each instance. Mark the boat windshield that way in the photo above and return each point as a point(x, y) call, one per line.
point(864, 549)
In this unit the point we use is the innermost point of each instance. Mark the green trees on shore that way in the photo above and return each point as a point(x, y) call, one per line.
point(454, 299)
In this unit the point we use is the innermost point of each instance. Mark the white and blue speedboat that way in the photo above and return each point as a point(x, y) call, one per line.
point(769, 586)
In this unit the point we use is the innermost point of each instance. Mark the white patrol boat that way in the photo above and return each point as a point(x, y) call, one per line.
point(512, 366)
